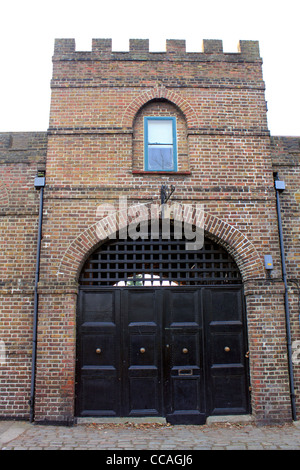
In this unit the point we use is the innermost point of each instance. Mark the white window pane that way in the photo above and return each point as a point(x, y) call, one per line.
point(160, 158)
point(160, 132)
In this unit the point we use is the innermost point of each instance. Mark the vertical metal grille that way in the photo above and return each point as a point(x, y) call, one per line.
point(159, 263)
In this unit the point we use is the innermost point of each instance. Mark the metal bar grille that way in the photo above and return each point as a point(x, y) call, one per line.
point(158, 263)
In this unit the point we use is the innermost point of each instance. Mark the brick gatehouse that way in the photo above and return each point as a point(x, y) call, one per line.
point(98, 322)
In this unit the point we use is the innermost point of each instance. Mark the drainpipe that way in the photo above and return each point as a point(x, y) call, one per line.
point(279, 187)
point(39, 183)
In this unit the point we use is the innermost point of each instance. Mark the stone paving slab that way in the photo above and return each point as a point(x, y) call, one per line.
point(149, 436)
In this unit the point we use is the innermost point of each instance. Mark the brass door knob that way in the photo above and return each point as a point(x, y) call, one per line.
point(98, 351)
point(142, 350)
point(185, 350)
point(227, 349)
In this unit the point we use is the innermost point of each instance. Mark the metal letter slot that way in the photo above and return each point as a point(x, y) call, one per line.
point(185, 372)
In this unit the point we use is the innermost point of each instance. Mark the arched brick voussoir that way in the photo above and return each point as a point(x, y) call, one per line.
point(240, 248)
point(83, 245)
point(159, 93)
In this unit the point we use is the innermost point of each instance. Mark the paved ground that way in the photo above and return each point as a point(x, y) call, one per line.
point(155, 437)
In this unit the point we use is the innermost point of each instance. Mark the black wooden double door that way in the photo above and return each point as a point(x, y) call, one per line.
point(178, 353)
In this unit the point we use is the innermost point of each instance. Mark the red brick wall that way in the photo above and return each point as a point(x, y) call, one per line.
point(286, 163)
point(21, 156)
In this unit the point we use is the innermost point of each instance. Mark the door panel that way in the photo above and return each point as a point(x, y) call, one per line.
point(98, 354)
point(100, 394)
point(227, 371)
point(184, 359)
point(144, 394)
point(142, 364)
point(185, 395)
point(228, 392)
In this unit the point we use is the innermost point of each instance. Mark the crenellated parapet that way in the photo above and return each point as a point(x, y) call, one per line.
point(140, 67)
point(175, 49)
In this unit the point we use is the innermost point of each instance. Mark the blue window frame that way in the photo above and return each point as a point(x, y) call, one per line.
point(160, 144)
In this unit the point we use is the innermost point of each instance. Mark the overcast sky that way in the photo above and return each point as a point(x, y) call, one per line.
point(29, 27)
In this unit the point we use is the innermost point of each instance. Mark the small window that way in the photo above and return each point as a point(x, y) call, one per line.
point(160, 144)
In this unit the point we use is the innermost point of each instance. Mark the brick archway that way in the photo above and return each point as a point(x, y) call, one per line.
point(159, 93)
point(238, 246)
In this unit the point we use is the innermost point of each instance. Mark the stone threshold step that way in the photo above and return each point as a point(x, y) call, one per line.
point(237, 419)
point(146, 420)
point(242, 419)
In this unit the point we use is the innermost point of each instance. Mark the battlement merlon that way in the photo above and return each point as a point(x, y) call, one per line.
point(139, 49)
